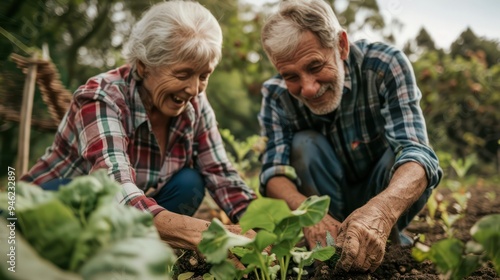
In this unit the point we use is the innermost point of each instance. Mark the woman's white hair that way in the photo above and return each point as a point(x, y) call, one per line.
point(282, 31)
point(172, 32)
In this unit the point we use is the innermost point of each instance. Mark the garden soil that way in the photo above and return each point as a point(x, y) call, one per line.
point(398, 262)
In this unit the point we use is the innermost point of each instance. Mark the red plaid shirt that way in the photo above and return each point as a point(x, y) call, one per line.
point(107, 127)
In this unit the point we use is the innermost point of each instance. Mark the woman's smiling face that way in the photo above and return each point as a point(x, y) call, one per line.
point(170, 88)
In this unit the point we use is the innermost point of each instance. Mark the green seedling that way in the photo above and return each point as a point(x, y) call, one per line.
point(280, 228)
point(456, 260)
point(487, 233)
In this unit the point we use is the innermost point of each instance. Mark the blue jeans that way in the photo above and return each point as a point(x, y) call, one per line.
point(321, 173)
point(183, 194)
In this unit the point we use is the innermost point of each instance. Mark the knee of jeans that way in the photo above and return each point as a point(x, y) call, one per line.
point(307, 146)
point(191, 184)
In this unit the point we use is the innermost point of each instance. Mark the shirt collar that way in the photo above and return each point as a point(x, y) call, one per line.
point(140, 115)
point(347, 77)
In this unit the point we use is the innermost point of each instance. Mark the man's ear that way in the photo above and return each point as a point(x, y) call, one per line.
point(343, 45)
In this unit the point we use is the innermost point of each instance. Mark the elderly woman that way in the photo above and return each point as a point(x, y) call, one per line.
point(149, 123)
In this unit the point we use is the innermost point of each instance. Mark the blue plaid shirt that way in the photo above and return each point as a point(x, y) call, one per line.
point(379, 109)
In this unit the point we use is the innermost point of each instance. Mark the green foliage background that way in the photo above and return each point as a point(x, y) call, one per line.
point(460, 85)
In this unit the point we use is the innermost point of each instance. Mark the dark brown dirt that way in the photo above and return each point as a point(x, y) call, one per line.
point(398, 262)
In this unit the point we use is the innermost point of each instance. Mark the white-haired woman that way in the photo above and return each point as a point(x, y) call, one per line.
point(149, 123)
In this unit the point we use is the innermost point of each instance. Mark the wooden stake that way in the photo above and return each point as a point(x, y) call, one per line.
point(25, 123)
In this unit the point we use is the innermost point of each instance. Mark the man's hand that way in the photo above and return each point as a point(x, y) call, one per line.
point(363, 236)
point(317, 233)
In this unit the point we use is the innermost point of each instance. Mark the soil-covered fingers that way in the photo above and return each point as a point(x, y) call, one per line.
point(350, 251)
point(373, 256)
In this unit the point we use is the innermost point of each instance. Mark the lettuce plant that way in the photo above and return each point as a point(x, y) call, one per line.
point(276, 226)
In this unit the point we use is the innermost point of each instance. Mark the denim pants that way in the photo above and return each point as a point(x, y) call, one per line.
point(183, 194)
point(321, 173)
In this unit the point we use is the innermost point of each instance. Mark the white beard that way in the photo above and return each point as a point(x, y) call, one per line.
point(334, 89)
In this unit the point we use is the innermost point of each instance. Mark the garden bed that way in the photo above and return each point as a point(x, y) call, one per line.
point(398, 262)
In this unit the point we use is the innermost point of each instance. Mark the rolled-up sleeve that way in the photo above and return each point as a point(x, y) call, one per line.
point(404, 121)
point(276, 157)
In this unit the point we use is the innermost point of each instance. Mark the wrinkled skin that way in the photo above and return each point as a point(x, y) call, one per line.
point(363, 235)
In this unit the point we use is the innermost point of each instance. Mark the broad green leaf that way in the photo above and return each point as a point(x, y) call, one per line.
point(208, 276)
point(84, 194)
point(486, 231)
point(253, 257)
point(301, 256)
point(52, 229)
point(260, 260)
point(132, 258)
point(185, 276)
point(312, 210)
point(288, 228)
point(263, 239)
point(241, 251)
point(32, 193)
point(108, 224)
point(224, 270)
point(264, 213)
point(447, 254)
point(485, 228)
point(216, 241)
point(323, 253)
point(468, 265)
point(283, 248)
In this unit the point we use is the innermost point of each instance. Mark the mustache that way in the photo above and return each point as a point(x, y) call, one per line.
point(323, 89)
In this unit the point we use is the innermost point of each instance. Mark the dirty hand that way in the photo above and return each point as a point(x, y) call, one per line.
point(363, 236)
point(317, 233)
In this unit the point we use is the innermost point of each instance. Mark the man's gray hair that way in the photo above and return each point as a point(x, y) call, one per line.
point(283, 29)
point(173, 32)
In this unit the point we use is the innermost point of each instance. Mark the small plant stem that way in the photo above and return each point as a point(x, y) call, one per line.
point(283, 268)
point(263, 269)
point(82, 216)
point(256, 274)
point(301, 268)
point(284, 262)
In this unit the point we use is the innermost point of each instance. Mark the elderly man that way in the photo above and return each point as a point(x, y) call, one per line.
point(343, 120)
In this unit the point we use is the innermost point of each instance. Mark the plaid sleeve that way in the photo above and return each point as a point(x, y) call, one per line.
point(103, 141)
point(130, 194)
point(222, 181)
point(276, 157)
point(405, 124)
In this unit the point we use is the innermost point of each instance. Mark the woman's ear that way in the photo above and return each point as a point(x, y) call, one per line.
point(141, 69)
point(343, 45)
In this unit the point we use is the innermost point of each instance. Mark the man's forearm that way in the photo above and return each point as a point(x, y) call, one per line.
point(282, 188)
point(406, 186)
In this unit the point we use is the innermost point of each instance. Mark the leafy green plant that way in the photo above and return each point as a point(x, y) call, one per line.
point(280, 228)
point(487, 233)
point(456, 260)
point(81, 229)
point(244, 155)
point(462, 166)
point(449, 256)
